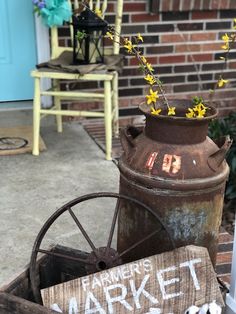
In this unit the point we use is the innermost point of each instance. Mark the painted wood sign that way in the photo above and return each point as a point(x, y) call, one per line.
point(165, 283)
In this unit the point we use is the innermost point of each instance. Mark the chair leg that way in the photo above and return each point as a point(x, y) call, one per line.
point(115, 103)
point(36, 116)
point(108, 119)
point(57, 102)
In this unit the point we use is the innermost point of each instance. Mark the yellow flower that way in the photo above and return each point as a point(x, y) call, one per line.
point(129, 46)
point(152, 97)
point(226, 46)
point(190, 114)
point(139, 37)
point(144, 59)
point(225, 38)
point(110, 35)
point(234, 27)
point(200, 110)
point(200, 106)
point(201, 114)
point(155, 112)
point(150, 79)
point(171, 111)
point(98, 12)
point(221, 82)
point(149, 67)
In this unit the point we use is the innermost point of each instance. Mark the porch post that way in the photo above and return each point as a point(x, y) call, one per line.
point(231, 296)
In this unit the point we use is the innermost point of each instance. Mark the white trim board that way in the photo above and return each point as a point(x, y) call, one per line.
point(43, 54)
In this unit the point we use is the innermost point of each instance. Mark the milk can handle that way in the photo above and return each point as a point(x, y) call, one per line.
point(127, 137)
point(215, 160)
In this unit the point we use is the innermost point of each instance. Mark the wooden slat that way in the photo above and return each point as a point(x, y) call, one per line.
point(104, 7)
point(74, 94)
point(10, 304)
point(97, 5)
point(72, 113)
point(119, 14)
point(76, 4)
point(71, 76)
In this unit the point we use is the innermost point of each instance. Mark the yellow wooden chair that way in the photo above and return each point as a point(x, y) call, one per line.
point(109, 96)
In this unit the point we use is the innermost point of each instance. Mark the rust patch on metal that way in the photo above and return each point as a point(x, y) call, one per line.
point(171, 164)
point(151, 159)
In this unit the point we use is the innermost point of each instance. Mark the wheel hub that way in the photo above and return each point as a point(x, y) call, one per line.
point(101, 259)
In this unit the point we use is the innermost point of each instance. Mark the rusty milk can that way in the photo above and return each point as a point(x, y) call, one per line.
point(173, 167)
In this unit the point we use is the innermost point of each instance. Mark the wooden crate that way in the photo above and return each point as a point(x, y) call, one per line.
point(16, 296)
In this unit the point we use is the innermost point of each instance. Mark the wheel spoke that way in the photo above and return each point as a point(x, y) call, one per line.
point(136, 244)
point(83, 231)
point(112, 227)
point(73, 258)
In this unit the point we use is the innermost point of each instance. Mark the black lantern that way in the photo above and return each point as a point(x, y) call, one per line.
point(88, 37)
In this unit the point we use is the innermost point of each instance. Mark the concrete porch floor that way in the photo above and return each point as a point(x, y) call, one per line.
point(32, 188)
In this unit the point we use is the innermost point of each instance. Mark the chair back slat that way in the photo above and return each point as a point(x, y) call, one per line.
point(76, 4)
point(118, 22)
point(91, 5)
point(97, 5)
point(54, 43)
point(104, 7)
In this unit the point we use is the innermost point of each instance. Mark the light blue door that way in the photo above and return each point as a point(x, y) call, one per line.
point(17, 49)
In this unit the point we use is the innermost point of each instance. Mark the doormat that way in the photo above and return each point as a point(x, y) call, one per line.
point(97, 132)
point(18, 140)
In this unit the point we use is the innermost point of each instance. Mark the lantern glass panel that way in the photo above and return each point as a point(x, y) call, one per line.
point(88, 41)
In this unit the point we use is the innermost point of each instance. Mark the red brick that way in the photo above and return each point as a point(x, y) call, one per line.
point(187, 47)
point(200, 57)
point(206, 4)
point(110, 7)
point(144, 17)
point(215, 4)
point(171, 38)
point(172, 59)
point(124, 102)
point(232, 65)
point(166, 5)
point(155, 6)
point(224, 4)
point(211, 47)
point(134, 60)
point(186, 5)
point(136, 100)
point(223, 258)
point(134, 7)
point(232, 4)
point(202, 36)
point(225, 238)
point(197, 5)
point(176, 5)
point(200, 15)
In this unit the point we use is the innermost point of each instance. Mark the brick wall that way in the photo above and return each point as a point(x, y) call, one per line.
point(179, 37)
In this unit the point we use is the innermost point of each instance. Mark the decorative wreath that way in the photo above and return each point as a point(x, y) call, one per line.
point(55, 12)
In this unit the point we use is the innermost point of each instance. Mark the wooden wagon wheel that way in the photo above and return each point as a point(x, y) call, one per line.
point(100, 258)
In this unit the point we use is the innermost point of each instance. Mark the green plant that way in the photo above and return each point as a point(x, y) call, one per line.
point(217, 129)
